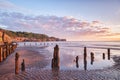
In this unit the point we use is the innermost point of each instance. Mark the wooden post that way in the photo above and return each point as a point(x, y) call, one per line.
point(35, 44)
point(11, 48)
point(85, 53)
point(1, 53)
point(16, 63)
point(92, 57)
point(103, 56)
point(3, 36)
point(4, 53)
point(85, 58)
point(24, 44)
point(7, 48)
point(77, 64)
point(23, 66)
point(56, 59)
point(108, 53)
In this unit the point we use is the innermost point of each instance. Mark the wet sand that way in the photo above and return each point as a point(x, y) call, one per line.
point(35, 69)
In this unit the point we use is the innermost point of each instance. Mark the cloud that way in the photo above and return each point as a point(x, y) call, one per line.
point(8, 6)
point(52, 25)
point(4, 4)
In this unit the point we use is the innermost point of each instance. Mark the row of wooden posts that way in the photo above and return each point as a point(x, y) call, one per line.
point(6, 49)
point(56, 59)
point(45, 44)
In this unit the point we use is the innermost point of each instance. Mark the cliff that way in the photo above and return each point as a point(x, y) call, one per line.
point(26, 36)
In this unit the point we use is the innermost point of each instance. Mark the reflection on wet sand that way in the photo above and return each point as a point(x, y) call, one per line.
point(55, 74)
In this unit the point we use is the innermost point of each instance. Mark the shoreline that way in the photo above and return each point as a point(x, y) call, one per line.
point(35, 69)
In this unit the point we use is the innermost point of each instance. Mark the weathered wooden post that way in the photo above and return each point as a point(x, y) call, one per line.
point(35, 44)
point(6, 47)
point(85, 58)
point(108, 53)
point(24, 44)
point(1, 53)
point(12, 48)
point(23, 66)
point(44, 44)
point(92, 57)
point(77, 58)
point(4, 53)
point(9, 49)
point(56, 59)
point(16, 63)
point(103, 56)
point(3, 36)
point(85, 53)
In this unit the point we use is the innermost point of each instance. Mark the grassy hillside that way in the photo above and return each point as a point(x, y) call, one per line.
point(29, 36)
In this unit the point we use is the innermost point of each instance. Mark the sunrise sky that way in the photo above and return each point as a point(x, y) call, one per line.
point(75, 20)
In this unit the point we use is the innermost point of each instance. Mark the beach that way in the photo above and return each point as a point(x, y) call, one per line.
point(38, 67)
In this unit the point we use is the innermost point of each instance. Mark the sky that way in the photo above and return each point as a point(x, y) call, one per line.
point(74, 20)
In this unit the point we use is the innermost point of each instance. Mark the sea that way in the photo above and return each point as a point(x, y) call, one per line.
point(68, 51)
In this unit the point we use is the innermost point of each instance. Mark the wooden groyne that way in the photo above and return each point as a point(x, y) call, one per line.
point(56, 58)
point(6, 50)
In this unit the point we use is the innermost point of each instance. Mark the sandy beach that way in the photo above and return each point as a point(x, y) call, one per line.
point(35, 69)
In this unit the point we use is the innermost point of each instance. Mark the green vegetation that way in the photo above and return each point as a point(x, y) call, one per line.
point(26, 35)
point(30, 36)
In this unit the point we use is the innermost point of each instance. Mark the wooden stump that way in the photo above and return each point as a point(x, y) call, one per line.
point(92, 57)
point(108, 53)
point(56, 59)
point(85, 58)
point(77, 64)
point(1, 53)
point(103, 56)
point(23, 66)
point(16, 63)
point(4, 54)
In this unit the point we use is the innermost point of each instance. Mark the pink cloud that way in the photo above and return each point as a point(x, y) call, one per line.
point(52, 25)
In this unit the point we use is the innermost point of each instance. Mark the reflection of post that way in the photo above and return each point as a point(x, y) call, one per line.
point(77, 58)
point(85, 64)
point(56, 59)
point(108, 53)
point(92, 57)
point(103, 56)
point(85, 58)
point(16, 63)
point(55, 74)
